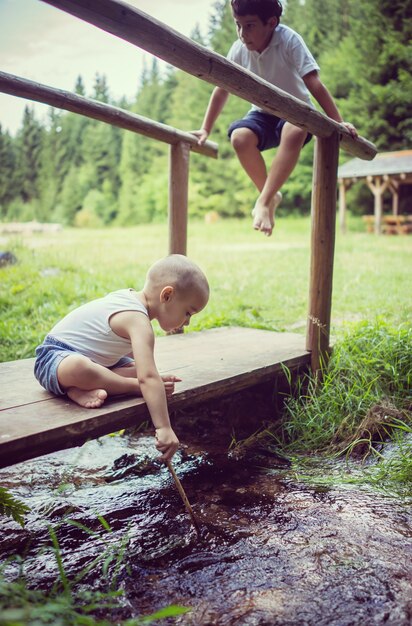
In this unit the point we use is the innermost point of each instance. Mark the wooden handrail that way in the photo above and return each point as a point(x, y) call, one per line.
point(21, 87)
point(142, 30)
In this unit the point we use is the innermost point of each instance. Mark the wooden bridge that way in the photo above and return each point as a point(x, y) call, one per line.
point(211, 363)
point(214, 362)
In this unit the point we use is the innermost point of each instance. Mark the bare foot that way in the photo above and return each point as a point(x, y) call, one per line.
point(264, 215)
point(92, 399)
point(169, 382)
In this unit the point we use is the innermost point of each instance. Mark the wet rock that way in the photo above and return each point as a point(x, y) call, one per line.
point(132, 465)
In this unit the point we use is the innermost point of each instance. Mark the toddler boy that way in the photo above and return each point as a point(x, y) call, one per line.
point(106, 347)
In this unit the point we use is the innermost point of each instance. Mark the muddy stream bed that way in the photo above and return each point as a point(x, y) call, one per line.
point(273, 549)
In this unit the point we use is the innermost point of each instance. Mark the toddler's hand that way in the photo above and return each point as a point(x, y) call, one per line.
point(166, 442)
point(169, 382)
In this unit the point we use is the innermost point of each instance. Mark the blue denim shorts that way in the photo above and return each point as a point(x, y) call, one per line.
point(267, 128)
point(48, 358)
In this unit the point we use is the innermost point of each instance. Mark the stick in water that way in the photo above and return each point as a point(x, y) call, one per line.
point(183, 496)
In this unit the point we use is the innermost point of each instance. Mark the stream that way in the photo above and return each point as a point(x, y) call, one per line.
point(273, 549)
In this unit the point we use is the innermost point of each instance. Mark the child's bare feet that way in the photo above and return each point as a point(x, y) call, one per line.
point(264, 215)
point(169, 382)
point(92, 399)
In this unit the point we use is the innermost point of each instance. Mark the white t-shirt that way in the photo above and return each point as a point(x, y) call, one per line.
point(283, 62)
point(87, 328)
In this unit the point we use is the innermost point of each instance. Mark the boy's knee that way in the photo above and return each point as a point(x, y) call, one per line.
point(243, 138)
point(293, 135)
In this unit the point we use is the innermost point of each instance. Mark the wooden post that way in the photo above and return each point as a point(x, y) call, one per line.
point(342, 205)
point(394, 187)
point(377, 187)
point(323, 244)
point(178, 197)
point(378, 206)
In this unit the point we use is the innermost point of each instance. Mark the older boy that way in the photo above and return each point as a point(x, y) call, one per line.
point(87, 355)
point(279, 55)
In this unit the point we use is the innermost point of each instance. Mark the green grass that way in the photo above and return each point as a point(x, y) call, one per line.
point(367, 387)
point(361, 411)
point(72, 601)
point(255, 281)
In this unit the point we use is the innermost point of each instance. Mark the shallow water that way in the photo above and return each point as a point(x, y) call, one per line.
point(272, 550)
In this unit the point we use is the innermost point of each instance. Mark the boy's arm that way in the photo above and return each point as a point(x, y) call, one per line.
point(137, 327)
point(320, 92)
point(216, 103)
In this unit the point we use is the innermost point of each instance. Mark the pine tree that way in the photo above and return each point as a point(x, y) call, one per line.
point(139, 154)
point(79, 86)
point(101, 89)
point(29, 143)
point(51, 166)
point(7, 172)
point(370, 72)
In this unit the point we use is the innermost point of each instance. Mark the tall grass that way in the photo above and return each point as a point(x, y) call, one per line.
point(70, 602)
point(370, 367)
point(362, 409)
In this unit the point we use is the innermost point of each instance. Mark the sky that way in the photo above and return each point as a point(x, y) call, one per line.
point(44, 44)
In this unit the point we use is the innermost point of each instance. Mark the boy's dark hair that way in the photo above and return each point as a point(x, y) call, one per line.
point(265, 9)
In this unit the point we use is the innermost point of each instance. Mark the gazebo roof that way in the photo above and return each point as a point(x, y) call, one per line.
point(394, 163)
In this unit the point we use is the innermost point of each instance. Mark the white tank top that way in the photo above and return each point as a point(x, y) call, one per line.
point(87, 328)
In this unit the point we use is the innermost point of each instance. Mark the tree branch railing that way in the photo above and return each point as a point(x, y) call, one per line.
point(24, 88)
point(142, 30)
point(181, 143)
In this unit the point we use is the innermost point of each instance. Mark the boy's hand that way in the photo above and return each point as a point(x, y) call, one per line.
point(169, 382)
point(201, 134)
point(350, 127)
point(166, 442)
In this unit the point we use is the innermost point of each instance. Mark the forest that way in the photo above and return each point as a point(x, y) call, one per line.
point(77, 171)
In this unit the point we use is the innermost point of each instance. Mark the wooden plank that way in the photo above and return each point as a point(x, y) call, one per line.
point(142, 30)
point(24, 88)
point(211, 363)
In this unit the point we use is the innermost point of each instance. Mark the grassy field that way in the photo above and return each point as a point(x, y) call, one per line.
point(255, 281)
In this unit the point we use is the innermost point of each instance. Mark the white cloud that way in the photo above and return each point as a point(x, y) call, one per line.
point(42, 43)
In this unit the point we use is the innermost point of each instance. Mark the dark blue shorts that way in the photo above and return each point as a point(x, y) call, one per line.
point(48, 358)
point(267, 128)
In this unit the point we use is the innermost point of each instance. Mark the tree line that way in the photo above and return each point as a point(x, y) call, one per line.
point(79, 171)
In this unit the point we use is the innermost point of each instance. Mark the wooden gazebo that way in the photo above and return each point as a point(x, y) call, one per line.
point(388, 171)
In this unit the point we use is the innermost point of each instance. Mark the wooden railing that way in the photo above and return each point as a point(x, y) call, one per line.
point(138, 28)
point(181, 143)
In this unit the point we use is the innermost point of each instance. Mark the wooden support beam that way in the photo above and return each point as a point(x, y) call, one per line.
point(394, 189)
point(142, 30)
point(323, 245)
point(378, 188)
point(16, 86)
point(342, 205)
point(178, 197)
